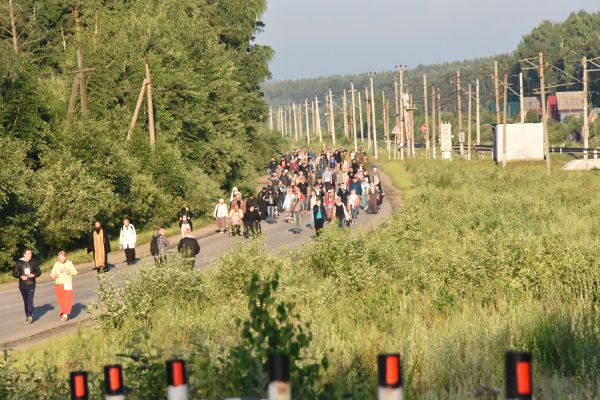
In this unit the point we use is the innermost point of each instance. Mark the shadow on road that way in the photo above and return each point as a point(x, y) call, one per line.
point(41, 311)
point(76, 310)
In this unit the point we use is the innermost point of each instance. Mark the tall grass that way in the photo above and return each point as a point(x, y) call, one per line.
point(480, 260)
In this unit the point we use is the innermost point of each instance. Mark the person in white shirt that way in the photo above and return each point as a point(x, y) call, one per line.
point(127, 241)
point(62, 273)
point(221, 214)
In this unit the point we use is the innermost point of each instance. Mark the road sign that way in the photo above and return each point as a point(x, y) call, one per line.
point(425, 128)
point(396, 131)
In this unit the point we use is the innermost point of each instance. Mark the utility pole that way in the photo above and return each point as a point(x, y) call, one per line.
point(307, 125)
point(459, 109)
point(318, 120)
point(384, 111)
point(439, 104)
point(150, 106)
point(360, 116)
point(404, 137)
point(433, 124)
point(521, 98)
point(80, 66)
point(544, 114)
point(469, 121)
point(504, 121)
point(328, 117)
point(332, 117)
point(354, 117)
point(271, 118)
point(397, 127)
point(299, 116)
point(15, 38)
point(477, 112)
point(345, 113)
point(295, 121)
point(374, 117)
point(368, 103)
point(586, 122)
point(136, 113)
point(497, 90)
point(412, 125)
point(426, 115)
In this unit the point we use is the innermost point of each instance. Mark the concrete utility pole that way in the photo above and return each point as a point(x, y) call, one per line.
point(15, 38)
point(332, 117)
point(299, 116)
point(544, 114)
point(345, 113)
point(433, 124)
point(412, 125)
point(426, 115)
point(497, 90)
point(469, 121)
point(150, 106)
point(307, 125)
point(368, 104)
point(354, 117)
point(404, 136)
point(328, 117)
point(271, 118)
point(477, 112)
point(504, 121)
point(360, 117)
point(521, 98)
point(318, 120)
point(385, 111)
point(586, 122)
point(374, 117)
point(295, 121)
point(439, 104)
point(459, 110)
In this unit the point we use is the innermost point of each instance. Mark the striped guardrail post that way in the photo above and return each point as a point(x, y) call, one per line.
point(78, 385)
point(113, 383)
point(389, 377)
point(177, 388)
point(280, 387)
point(518, 376)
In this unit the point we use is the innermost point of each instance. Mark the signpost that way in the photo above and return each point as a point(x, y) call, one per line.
point(446, 140)
point(399, 143)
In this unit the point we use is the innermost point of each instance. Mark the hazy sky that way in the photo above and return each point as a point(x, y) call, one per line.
point(327, 37)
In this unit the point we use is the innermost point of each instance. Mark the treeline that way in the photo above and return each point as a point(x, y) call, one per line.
point(564, 45)
point(61, 171)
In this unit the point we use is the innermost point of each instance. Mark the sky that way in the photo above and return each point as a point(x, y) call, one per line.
point(315, 38)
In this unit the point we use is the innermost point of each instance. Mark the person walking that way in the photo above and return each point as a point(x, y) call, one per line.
point(353, 205)
point(340, 213)
point(99, 245)
point(221, 213)
point(319, 216)
point(189, 247)
point(26, 270)
point(127, 241)
point(185, 220)
point(373, 195)
point(297, 207)
point(159, 245)
point(271, 201)
point(236, 216)
point(62, 272)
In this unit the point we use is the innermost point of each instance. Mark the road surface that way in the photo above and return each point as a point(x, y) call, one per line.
point(14, 333)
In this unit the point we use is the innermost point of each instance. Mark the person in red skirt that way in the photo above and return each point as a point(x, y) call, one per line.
point(62, 273)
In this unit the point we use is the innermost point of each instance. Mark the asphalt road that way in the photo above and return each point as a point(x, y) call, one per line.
point(14, 333)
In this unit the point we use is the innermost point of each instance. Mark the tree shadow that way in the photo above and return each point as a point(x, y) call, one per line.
point(39, 312)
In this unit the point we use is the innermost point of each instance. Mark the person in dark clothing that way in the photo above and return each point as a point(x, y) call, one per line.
point(342, 192)
point(99, 244)
point(185, 216)
point(320, 216)
point(252, 222)
point(189, 247)
point(26, 270)
point(272, 165)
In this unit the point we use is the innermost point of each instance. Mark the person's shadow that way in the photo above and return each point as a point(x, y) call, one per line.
point(39, 312)
point(76, 310)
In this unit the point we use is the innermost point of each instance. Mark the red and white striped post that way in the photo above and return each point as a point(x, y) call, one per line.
point(79, 385)
point(389, 377)
point(518, 376)
point(280, 387)
point(113, 383)
point(177, 388)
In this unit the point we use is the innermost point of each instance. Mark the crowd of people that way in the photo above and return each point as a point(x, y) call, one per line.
point(331, 186)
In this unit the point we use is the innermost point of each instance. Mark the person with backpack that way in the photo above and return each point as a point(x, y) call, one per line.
point(158, 246)
point(185, 216)
point(26, 270)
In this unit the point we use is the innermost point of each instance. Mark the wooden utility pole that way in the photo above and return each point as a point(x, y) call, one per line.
point(150, 106)
point(411, 128)
point(318, 120)
point(544, 114)
point(328, 117)
point(13, 24)
point(300, 120)
point(360, 117)
point(459, 110)
point(521, 98)
point(439, 104)
point(497, 90)
point(354, 117)
point(345, 105)
point(433, 124)
point(504, 121)
point(426, 115)
point(332, 117)
point(80, 66)
point(138, 107)
point(586, 121)
point(307, 125)
point(271, 118)
point(368, 104)
point(477, 112)
point(384, 111)
point(404, 137)
point(374, 118)
point(469, 121)
point(295, 121)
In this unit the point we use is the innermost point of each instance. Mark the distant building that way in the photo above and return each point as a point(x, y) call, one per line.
point(552, 108)
point(513, 108)
point(569, 104)
point(533, 105)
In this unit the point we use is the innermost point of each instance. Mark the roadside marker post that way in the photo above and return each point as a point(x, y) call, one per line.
point(79, 385)
point(279, 377)
point(177, 388)
point(113, 383)
point(518, 376)
point(389, 377)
